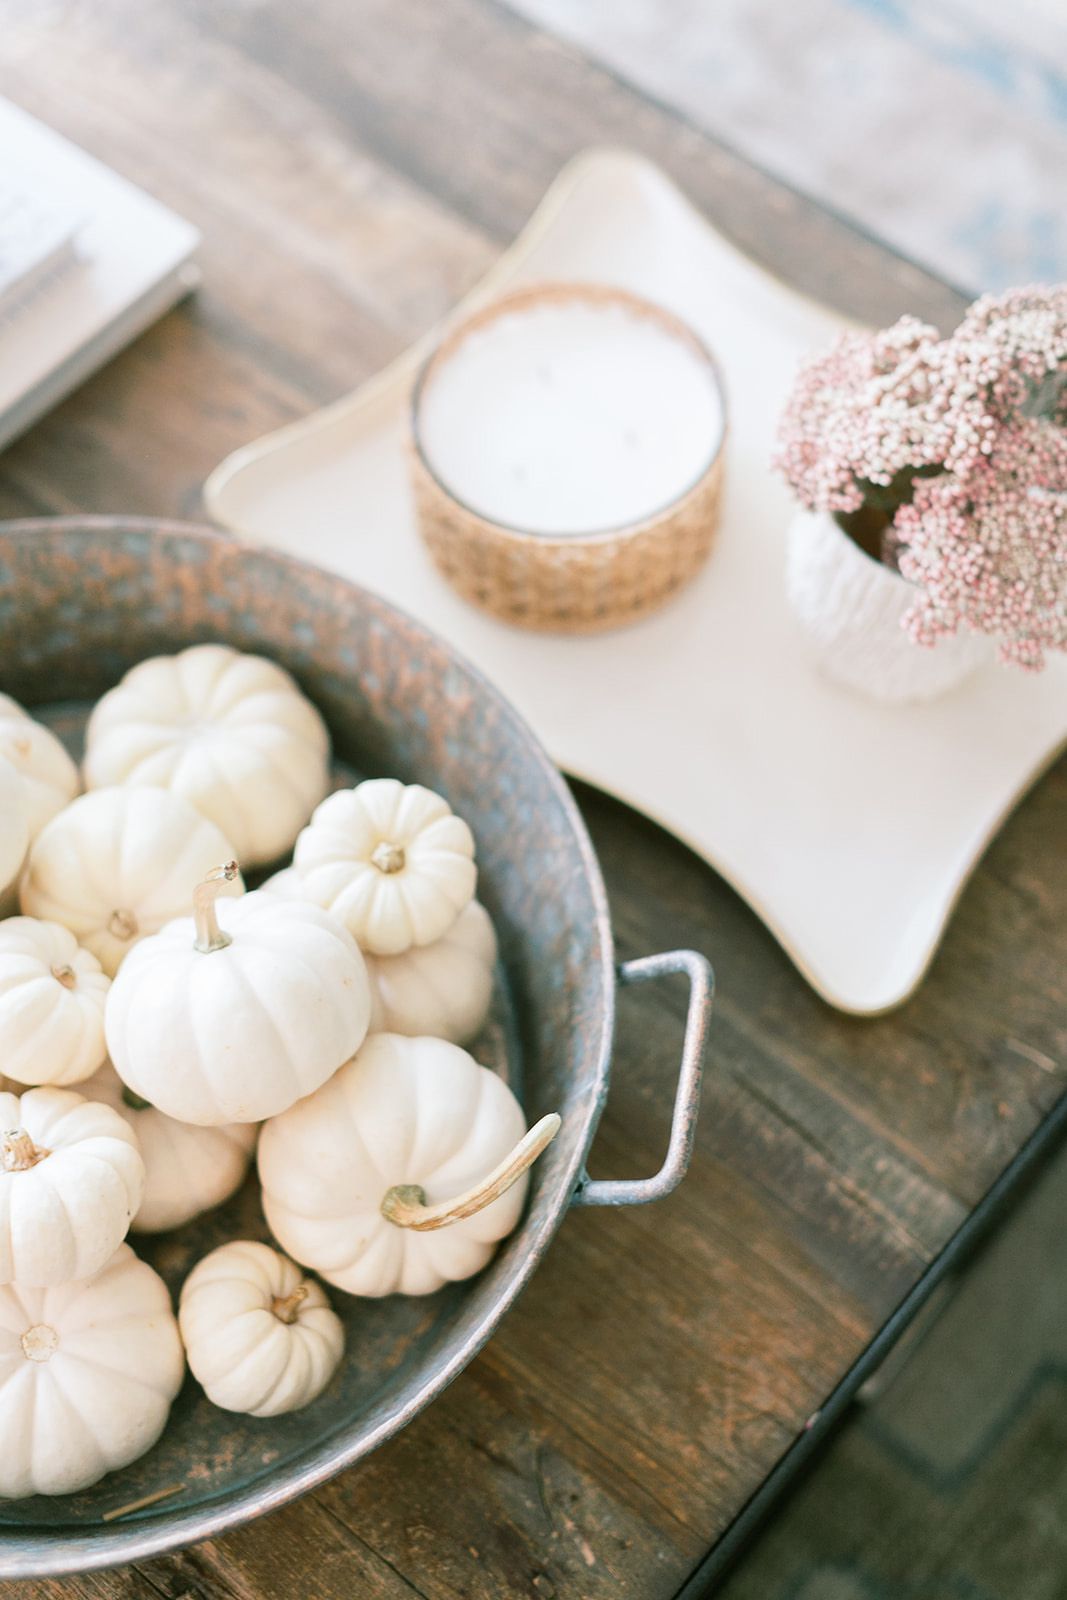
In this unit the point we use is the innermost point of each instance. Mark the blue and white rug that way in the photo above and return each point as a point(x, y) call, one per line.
point(937, 125)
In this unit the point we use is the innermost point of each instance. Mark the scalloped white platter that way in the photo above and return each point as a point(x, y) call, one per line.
point(849, 827)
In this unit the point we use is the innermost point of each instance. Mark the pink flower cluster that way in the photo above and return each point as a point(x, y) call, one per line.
point(962, 444)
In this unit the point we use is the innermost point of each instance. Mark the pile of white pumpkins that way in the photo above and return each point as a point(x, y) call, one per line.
point(156, 1020)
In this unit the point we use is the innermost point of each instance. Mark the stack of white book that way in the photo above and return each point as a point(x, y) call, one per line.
point(87, 261)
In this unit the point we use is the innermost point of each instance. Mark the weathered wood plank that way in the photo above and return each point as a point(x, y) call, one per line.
point(311, 1554)
point(303, 150)
point(319, 265)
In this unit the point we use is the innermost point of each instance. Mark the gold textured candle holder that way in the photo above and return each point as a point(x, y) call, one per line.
point(572, 583)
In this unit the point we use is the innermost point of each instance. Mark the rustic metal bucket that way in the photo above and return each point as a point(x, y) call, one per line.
point(81, 600)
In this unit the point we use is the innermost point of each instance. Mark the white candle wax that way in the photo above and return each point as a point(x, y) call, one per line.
point(570, 417)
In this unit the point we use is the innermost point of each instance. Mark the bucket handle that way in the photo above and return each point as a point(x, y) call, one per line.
point(638, 1191)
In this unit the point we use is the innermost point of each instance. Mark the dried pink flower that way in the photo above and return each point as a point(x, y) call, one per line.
point(961, 444)
point(989, 552)
point(857, 417)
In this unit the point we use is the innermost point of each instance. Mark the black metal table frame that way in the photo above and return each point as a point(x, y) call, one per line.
point(957, 1254)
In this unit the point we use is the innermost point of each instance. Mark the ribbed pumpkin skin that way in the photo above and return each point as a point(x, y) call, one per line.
point(245, 1357)
point(403, 1111)
point(88, 1371)
point(188, 1169)
point(52, 999)
point(119, 852)
point(14, 824)
point(63, 1218)
point(442, 990)
point(229, 732)
point(388, 910)
point(49, 776)
point(238, 1034)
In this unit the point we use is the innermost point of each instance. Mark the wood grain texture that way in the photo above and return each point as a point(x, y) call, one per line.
point(354, 167)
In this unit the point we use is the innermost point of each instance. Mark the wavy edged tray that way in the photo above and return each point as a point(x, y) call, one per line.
point(848, 827)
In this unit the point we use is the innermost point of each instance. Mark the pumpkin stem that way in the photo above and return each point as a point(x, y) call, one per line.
point(209, 936)
point(134, 1101)
point(287, 1308)
point(18, 1152)
point(65, 975)
point(405, 1203)
point(388, 857)
point(122, 925)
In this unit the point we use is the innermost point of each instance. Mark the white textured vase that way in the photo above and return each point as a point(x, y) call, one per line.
point(852, 607)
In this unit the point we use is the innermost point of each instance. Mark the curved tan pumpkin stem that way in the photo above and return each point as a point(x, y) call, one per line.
point(287, 1307)
point(405, 1203)
point(209, 936)
point(18, 1153)
point(65, 975)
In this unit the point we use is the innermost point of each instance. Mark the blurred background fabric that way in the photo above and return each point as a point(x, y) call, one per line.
point(940, 126)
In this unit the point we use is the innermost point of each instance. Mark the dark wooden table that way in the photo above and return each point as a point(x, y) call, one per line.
point(354, 167)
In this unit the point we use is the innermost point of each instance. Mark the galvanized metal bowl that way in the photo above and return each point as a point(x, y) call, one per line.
point(81, 600)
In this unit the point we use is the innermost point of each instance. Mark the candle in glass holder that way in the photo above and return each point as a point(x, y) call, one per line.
point(567, 455)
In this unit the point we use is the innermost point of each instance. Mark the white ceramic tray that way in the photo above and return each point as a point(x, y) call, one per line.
point(850, 828)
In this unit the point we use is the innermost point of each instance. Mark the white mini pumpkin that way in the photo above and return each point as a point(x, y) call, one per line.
point(233, 1024)
point(443, 989)
point(117, 864)
point(391, 860)
point(229, 732)
point(260, 1337)
point(49, 775)
point(285, 883)
point(402, 1172)
point(88, 1371)
point(188, 1169)
point(52, 997)
point(71, 1179)
point(14, 825)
